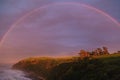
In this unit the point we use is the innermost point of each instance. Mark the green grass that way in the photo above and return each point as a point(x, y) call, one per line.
point(105, 67)
point(41, 65)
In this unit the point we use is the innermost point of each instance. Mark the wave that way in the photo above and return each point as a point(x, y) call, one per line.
point(9, 74)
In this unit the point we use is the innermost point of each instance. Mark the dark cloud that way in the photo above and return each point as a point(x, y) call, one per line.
point(61, 39)
point(12, 10)
point(59, 30)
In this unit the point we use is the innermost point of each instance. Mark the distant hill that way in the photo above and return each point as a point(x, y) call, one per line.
point(105, 67)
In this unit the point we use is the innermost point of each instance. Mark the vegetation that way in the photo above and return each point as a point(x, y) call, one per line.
point(96, 52)
point(41, 65)
point(106, 68)
point(103, 67)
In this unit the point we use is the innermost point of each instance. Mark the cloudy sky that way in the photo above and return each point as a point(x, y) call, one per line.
point(57, 29)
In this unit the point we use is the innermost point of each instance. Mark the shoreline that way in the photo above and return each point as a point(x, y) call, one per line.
point(33, 76)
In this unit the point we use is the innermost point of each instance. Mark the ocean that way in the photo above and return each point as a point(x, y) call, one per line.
point(6, 73)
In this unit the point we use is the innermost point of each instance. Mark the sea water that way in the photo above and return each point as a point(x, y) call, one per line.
point(6, 73)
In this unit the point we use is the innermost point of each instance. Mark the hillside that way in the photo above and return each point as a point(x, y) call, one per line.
point(105, 67)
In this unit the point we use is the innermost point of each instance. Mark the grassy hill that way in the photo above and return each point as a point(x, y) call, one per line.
point(105, 67)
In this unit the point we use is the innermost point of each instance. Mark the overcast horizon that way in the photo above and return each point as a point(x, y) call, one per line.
point(61, 28)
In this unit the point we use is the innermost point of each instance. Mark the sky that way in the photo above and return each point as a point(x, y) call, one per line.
point(68, 37)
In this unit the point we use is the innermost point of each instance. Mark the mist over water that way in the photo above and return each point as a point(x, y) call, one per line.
point(6, 73)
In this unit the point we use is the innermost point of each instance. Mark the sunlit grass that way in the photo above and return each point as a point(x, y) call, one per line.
point(44, 65)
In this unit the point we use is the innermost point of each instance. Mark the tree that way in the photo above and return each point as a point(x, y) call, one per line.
point(99, 51)
point(105, 50)
point(84, 54)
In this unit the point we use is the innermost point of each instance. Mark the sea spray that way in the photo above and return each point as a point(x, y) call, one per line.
point(9, 74)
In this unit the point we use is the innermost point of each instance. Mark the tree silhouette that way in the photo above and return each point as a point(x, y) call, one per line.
point(84, 54)
point(105, 50)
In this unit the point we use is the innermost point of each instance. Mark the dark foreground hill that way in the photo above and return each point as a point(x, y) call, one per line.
point(106, 67)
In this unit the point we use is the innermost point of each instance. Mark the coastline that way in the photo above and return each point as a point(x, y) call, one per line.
point(33, 76)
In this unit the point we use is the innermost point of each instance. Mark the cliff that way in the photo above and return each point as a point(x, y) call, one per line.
point(105, 67)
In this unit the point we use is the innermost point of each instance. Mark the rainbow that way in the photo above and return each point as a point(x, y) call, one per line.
point(66, 3)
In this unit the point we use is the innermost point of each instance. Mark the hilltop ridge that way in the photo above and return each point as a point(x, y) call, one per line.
point(104, 67)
